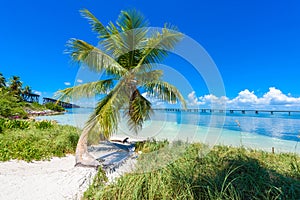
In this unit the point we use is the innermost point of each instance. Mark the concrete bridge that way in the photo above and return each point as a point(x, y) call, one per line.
point(231, 111)
point(61, 103)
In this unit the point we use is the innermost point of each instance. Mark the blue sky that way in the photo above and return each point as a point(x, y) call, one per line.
point(254, 43)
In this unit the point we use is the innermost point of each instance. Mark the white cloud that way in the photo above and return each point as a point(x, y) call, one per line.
point(67, 83)
point(193, 100)
point(37, 92)
point(276, 97)
point(212, 99)
point(207, 100)
point(246, 97)
point(273, 99)
point(79, 81)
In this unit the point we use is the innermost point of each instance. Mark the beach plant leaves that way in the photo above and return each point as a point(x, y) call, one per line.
point(42, 140)
point(223, 173)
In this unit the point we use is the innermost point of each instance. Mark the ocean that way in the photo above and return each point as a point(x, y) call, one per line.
point(262, 131)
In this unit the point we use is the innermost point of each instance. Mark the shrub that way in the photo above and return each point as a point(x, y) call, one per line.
point(10, 107)
point(2, 121)
point(15, 124)
point(44, 124)
point(222, 173)
point(38, 144)
point(54, 107)
point(18, 113)
point(35, 106)
point(151, 145)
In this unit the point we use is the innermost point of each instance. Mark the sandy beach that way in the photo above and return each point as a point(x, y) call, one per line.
point(58, 178)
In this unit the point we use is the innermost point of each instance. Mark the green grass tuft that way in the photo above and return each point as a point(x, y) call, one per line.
point(38, 141)
point(222, 173)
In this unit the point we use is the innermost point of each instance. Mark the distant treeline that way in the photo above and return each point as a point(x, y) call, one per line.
point(13, 98)
point(14, 87)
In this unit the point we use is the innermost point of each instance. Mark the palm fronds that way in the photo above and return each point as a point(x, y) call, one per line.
point(164, 91)
point(158, 46)
point(106, 115)
point(138, 112)
point(93, 57)
point(96, 25)
point(86, 90)
point(127, 52)
point(149, 76)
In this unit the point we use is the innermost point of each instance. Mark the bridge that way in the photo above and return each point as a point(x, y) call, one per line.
point(61, 103)
point(231, 111)
point(30, 97)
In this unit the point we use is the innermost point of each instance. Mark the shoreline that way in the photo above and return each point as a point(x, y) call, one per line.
point(33, 114)
point(161, 130)
point(59, 178)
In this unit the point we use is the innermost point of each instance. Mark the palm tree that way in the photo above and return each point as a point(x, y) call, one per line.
point(26, 91)
point(2, 81)
point(15, 86)
point(127, 53)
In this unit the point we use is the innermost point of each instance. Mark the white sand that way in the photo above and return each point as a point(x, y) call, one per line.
point(55, 179)
point(58, 179)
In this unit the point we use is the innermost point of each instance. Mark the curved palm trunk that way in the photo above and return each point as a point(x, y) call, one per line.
point(82, 157)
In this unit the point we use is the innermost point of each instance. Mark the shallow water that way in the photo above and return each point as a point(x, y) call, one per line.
point(257, 131)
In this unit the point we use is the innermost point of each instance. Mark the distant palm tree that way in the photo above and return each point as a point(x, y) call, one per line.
point(2, 81)
point(15, 86)
point(26, 91)
point(128, 52)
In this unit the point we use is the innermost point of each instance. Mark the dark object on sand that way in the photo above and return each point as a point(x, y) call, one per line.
point(124, 144)
point(125, 140)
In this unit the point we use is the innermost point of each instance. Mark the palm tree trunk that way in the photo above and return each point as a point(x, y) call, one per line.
point(82, 157)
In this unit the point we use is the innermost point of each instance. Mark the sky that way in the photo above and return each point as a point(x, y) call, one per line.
point(254, 44)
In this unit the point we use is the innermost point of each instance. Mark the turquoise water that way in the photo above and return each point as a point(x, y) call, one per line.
point(257, 131)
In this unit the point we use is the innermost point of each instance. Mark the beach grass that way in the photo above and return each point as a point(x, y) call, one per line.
point(29, 140)
point(201, 173)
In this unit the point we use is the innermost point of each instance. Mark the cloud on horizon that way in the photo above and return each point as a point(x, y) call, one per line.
point(67, 83)
point(273, 99)
point(79, 81)
point(37, 92)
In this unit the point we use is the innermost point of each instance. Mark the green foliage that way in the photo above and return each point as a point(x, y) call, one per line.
point(19, 113)
point(14, 124)
point(37, 106)
point(222, 173)
point(98, 183)
point(1, 127)
point(44, 124)
point(2, 122)
point(10, 106)
point(2, 81)
point(54, 107)
point(34, 143)
point(128, 52)
point(15, 87)
point(150, 145)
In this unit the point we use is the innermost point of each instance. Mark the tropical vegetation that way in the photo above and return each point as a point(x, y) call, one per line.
point(54, 107)
point(222, 173)
point(127, 52)
point(13, 96)
point(40, 140)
